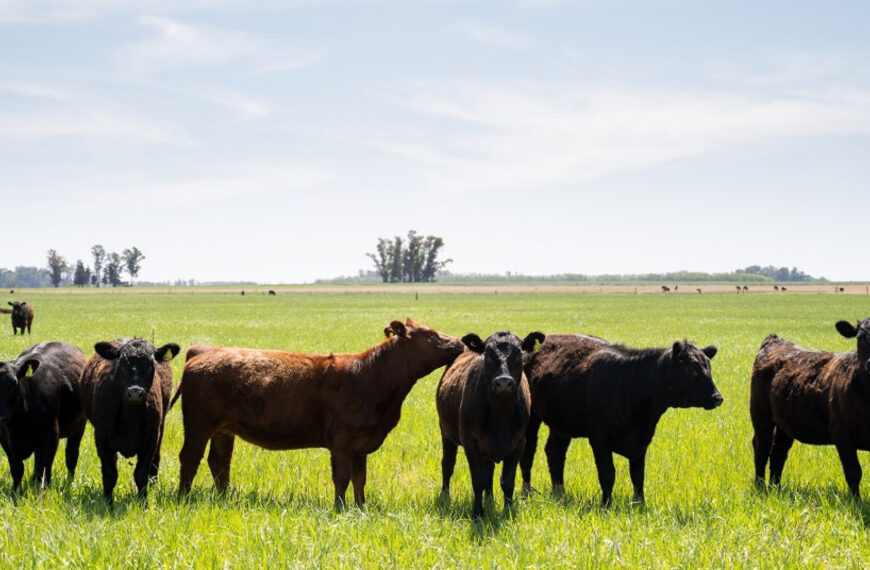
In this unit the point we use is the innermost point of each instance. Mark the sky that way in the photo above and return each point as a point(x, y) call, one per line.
point(276, 141)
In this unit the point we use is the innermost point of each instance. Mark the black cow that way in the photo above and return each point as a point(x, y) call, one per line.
point(815, 397)
point(125, 391)
point(22, 316)
point(582, 386)
point(483, 405)
point(39, 403)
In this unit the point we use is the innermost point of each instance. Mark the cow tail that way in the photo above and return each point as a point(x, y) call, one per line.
point(177, 394)
point(191, 352)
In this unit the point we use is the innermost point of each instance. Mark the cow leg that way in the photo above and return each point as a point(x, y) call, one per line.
point(478, 480)
point(637, 468)
point(762, 441)
point(851, 467)
point(531, 447)
point(190, 455)
point(154, 466)
point(606, 470)
point(145, 461)
point(448, 464)
point(489, 472)
point(73, 442)
point(43, 458)
point(220, 454)
point(509, 476)
point(108, 467)
point(16, 467)
point(342, 466)
point(358, 477)
point(556, 448)
point(782, 443)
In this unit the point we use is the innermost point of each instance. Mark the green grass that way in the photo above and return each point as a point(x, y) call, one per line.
point(702, 509)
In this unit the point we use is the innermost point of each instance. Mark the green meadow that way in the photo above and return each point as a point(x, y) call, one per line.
point(702, 509)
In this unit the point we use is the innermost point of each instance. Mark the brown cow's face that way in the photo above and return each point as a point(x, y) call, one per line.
point(430, 347)
point(861, 332)
point(691, 382)
point(136, 361)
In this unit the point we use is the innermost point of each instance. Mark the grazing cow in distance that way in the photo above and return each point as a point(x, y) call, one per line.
point(347, 403)
point(739, 288)
point(125, 392)
point(698, 289)
point(745, 289)
point(676, 287)
point(819, 398)
point(665, 289)
point(22, 316)
point(39, 404)
point(272, 292)
point(842, 289)
point(483, 405)
point(583, 386)
point(776, 287)
point(243, 292)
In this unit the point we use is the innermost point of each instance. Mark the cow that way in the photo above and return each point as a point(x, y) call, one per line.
point(583, 386)
point(22, 316)
point(483, 405)
point(272, 292)
point(819, 398)
point(745, 289)
point(346, 403)
point(125, 391)
point(665, 289)
point(39, 404)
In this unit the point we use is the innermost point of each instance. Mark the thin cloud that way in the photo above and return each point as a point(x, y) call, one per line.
point(494, 36)
point(515, 136)
point(89, 125)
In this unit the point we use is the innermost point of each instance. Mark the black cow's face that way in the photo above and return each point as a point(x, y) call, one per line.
point(17, 308)
point(136, 360)
point(502, 361)
point(691, 381)
point(11, 377)
point(861, 332)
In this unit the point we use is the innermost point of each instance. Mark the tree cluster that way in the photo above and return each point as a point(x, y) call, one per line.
point(777, 273)
point(108, 268)
point(413, 260)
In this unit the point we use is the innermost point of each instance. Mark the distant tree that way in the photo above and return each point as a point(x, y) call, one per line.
point(410, 261)
point(133, 261)
point(57, 267)
point(112, 270)
point(81, 276)
point(99, 257)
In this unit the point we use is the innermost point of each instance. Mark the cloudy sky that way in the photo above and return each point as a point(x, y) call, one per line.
point(275, 141)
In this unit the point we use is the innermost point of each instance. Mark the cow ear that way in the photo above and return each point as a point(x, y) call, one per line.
point(388, 332)
point(399, 329)
point(107, 350)
point(710, 351)
point(27, 369)
point(677, 350)
point(167, 352)
point(473, 342)
point(846, 329)
point(533, 341)
point(10, 302)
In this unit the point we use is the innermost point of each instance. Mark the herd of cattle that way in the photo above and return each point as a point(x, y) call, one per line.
point(491, 400)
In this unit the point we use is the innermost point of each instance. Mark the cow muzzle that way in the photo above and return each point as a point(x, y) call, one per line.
point(716, 400)
point(504, 385)
point(135, 395)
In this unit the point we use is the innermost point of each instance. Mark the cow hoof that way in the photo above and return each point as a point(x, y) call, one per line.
point(528, 491)
point(558, 491)
point(444, 496)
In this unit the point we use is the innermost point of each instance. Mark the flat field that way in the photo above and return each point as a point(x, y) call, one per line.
point(702, 509)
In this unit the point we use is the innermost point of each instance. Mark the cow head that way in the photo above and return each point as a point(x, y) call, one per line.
point(429, 348)
point(690, 383)
point(502, 361)
point(17, 309)
point(861, 331)
point(135, 362)
point(12, 377)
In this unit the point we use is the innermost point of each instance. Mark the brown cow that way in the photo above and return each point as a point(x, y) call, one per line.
point(820, 398)
point(483, 405)
point(347, 403)
point(22, 316)
point(125, 390)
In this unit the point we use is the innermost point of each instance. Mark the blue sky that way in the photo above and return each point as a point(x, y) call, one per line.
point(276, 141)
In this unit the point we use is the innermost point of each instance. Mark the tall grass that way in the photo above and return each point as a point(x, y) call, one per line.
point(702, 509)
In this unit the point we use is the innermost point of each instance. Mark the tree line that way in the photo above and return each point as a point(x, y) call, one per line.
point(108, 269)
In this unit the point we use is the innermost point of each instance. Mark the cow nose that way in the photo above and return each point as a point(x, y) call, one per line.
point(135, 394)
point(504, 385)
point(716, 400)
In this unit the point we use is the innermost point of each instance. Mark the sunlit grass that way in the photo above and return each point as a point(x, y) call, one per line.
point(702, 509)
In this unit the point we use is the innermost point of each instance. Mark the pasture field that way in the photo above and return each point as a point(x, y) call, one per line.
point(702, 509)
